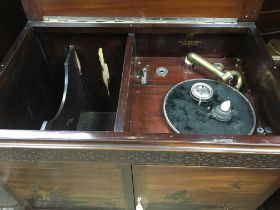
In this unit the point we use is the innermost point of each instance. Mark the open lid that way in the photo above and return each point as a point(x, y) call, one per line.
point(242, 10)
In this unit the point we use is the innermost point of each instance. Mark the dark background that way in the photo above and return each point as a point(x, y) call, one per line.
point(12, 21)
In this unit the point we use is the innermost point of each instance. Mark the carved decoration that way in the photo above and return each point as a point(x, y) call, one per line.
point(143, 157)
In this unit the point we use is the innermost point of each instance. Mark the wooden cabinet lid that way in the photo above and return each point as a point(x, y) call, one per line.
point(243, 10)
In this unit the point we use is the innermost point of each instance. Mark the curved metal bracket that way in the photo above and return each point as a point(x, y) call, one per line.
point(68, 113)
point(225, 76)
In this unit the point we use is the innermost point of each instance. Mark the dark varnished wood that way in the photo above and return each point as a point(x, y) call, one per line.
point(122, 110)
point(94, 148)
point(76, 185)
point(268, 20)
point(32, 9)
point(203, 188)
point(269, 5)
point(188, 150)
point(26, 101)
point(33, 153)
point(264, 83)
point(244, 10)
point(211, 44)
point(146, 109)
point(251, 9)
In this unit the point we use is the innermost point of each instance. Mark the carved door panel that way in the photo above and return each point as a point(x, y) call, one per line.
point(163, 187)
point(68, 185)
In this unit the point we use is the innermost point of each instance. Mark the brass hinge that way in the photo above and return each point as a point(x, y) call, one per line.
point(138, 20)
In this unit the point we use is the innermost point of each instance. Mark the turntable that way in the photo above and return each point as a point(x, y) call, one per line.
point(202, 106)
point(196, 95)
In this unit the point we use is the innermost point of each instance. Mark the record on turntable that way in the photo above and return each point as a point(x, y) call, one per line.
point(204, 106)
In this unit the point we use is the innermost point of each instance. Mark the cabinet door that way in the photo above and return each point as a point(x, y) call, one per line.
point(69, 185)
point(163, 187)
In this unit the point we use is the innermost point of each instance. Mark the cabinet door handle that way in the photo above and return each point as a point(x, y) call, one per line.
point(139, 205)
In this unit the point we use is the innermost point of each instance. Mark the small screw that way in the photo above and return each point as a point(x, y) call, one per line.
point(268, 130)
point(219, 66)
point(260, 130)
point(162, 71)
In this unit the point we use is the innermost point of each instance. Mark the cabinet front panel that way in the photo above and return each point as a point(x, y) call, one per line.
point(164, 187)
point(68, 185)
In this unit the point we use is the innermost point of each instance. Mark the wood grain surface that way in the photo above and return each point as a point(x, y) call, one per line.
point(172, 187)
point(124, 97)
point(246, 10)
point(68, 185)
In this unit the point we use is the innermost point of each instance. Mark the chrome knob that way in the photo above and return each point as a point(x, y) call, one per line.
point(201, 92)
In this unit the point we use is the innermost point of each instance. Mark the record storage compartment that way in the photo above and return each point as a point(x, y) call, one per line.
point(36, 88)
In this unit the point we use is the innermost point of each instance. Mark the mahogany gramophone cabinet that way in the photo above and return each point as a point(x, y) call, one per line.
point(154, 105)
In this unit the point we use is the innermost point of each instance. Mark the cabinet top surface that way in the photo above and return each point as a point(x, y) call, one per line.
point(242, 10)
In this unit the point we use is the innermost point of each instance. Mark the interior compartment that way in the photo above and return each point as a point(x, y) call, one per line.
point(32, 86)
point(236, 50)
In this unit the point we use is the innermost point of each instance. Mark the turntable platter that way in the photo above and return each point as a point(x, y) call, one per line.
point(203, 106)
